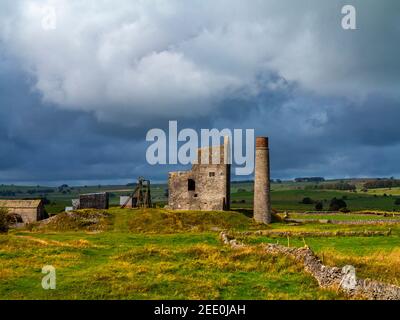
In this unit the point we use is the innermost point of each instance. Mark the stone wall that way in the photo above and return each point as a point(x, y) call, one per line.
point(75, 204)
point(28, 210)
point(314, 234)
point(94, 201)
point(205, 187)
point(327, 277)
point(334, 277)
point(29, 215)
point(345, 222)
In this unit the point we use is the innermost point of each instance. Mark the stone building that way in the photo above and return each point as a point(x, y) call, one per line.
point(28, 210)
point(206, 186)
point(94, 201)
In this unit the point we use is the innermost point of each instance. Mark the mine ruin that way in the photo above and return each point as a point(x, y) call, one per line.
point(206, 186)
point(262, 187)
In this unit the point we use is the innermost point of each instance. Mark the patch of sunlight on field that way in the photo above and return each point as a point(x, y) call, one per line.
point(389, 191)
point(382, 265)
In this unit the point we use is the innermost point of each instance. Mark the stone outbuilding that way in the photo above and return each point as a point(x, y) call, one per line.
point(28, 210)
point(94, 201)
point(207, 186)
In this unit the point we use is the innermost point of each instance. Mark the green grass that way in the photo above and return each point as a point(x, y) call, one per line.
point(387, 191)
point(169, 221)
point(375, 257)
point(178, 256)
point(346, 216)
point(164, 254)
point(121, 264)
point(290, 199)
point(285, 196)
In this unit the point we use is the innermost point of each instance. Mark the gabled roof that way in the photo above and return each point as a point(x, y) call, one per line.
point(20, 203)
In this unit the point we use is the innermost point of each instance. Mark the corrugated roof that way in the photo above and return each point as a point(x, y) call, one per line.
point(94, 194)
point(19, 203)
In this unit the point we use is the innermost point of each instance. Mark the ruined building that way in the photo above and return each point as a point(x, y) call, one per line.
point(91, 201)
point(262, 188)
point(28, 210)
point(205, 187)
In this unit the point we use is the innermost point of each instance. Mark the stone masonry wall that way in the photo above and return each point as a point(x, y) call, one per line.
point(211, 185)
point(327, 277)
point(94, 201)
point(262, 197)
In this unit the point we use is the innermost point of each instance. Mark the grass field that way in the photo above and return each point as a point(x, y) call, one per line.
point(285, 196)
point(122, 263)
point(383, 191)
point(375, 258)
point(290, 199)
point(160, 254)
point(342, 217)
point(60, 197)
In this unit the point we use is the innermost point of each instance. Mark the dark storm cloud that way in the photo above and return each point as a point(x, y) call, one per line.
point(41, 143)
point(332, 137)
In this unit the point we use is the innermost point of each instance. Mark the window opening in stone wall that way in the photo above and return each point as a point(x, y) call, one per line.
point(191, 185)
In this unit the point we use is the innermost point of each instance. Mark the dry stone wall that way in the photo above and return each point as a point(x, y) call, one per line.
point(327, 277)
point(345, 222)
point(301, 234)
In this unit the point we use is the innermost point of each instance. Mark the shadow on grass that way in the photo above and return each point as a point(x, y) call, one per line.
point(247, 212)
point(250, 212)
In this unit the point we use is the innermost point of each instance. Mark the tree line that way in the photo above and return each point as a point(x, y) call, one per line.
point(334, 186)
point(381, 183)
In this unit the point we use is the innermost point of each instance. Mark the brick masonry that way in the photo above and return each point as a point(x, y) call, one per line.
point(262, 197)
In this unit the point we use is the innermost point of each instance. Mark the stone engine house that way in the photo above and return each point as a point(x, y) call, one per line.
point(207, 186)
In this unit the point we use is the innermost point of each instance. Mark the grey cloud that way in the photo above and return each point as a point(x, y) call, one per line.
point(76, 102)
point(174, 58)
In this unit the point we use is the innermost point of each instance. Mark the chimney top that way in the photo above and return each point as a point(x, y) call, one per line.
point(261, 142)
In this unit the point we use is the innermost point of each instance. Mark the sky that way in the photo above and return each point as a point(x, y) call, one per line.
point(82, 82)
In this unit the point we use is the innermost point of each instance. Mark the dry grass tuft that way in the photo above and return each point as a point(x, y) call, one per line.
point(87, 219)
point(380, 265)
point(168, 221)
